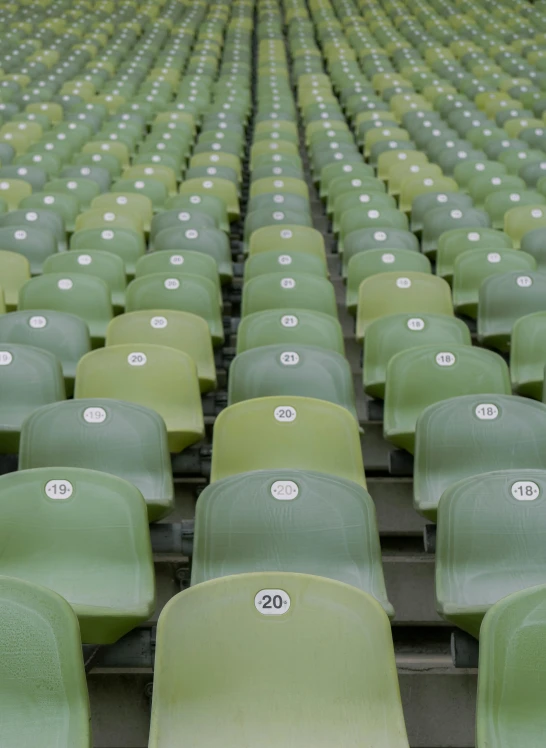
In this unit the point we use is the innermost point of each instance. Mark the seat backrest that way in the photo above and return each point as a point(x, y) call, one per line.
point(42, 686)
point(112, 436)
point(70, 546)
point(509, 706)
point(277, 622)
point(473, 569)
point(507, 432)
point(287, 431)
point(287, 289)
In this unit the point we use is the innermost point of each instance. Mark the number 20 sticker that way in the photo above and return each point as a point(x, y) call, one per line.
point(272, 602)
point(285, 414)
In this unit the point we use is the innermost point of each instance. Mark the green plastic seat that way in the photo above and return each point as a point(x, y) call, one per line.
point(534, 243)
point(527, 359)
point(507, 432)
point(519, 221)
point(126, 243)
point(275, 261)
point(180, 330)
point(216, 187)
point(64, 335)
point(357, 170)
point(107, 577)
point(472, 267)
point(397, 292)
point(96, 174)
point(474, 570)
point(180, 261)
point(302, 239)
point(29, 378)
point(277, 432)
point(86, 296)
point(370, 239)
point(155, 376)
point(373, 218)
point(439, 220)
point(419, 377)
point(14, 273)
point(181, 219)
point(498, 203)
point(302, 502)
point(34, 175)
point(397, 332)
point(34, 244)
point(428, 201)
point(66, 206)
point(304, 371)
point(209, 241)
point(82, 188)
point(509, 707)
point(209, 204)
point(44, 690)
point(105, 265)
point(110, 436)
point(290, 326)
point(483, 186)
point(14, 191)
point(505, 298)
point(286, 289)
point(200, 696)
point(374, 261)
point(181, 292)
point(347, 205)
point(456, 242)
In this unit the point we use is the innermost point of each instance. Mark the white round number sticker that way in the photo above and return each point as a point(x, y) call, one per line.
point(289, 358)
point(58, 489)
point(288, 283)
point(284, 260)
point(289, 320)
point(493, 257)
point(524, 281)
point(285, 414)
point(84, 260)
point(94, 415)
point(525, 490)
point(37, 322)
point(284, 490)
point(486, 411)
point(137, 359)
point(403, 282)
point(158, 322)
point(177, 260)
point(415, 323)
point(286, 234)
point(171, 284)
point(445, 359)
point(65, 284)
point(272, 602)
point(5, 358)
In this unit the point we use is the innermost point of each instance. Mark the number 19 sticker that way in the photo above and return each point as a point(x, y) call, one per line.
point(272, 602)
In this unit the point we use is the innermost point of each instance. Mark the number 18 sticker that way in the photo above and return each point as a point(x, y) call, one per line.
point(272, 602)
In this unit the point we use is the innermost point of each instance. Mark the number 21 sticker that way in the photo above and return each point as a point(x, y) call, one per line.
point(272, 602)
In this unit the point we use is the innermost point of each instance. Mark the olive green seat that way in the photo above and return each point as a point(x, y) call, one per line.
point(330, 172)
point(110, 219)
point(374, 261)
point(473, 569)
point(528, 355)
point(126, 243)
point(519, 221)
point(503, 299)
point(534, 243)
point(64, 335)
point(278, 201)
point(181, 292)
point(361, 200)
point(428, 201)
point(155, 376)
point(180, 330)
point(107, 577)
point(29, 378)
point(455, 242)
point(14, 191)
point(283, 431)
point(290, 520)
point(345, 185)
point(509, 704)
point(110, 436)
point(438, 221)
point(400, 292)
point(302, 370)
point(370, 238)
point(105, 265)
point(419, 377)
point(375, 219)
point(287, 238)
point(216, 187)
point(43, 686)
point(86, 296)
point(290, 326)
point(257, 219)
point(506, 432)
point(286, 289)
point(497, 204)
point(208, 204)
point(239, 626)
point(179, 261)
point(397, 332)
point(210, 241)
point(472, 267)
point(14, 273)
point(277, 260)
